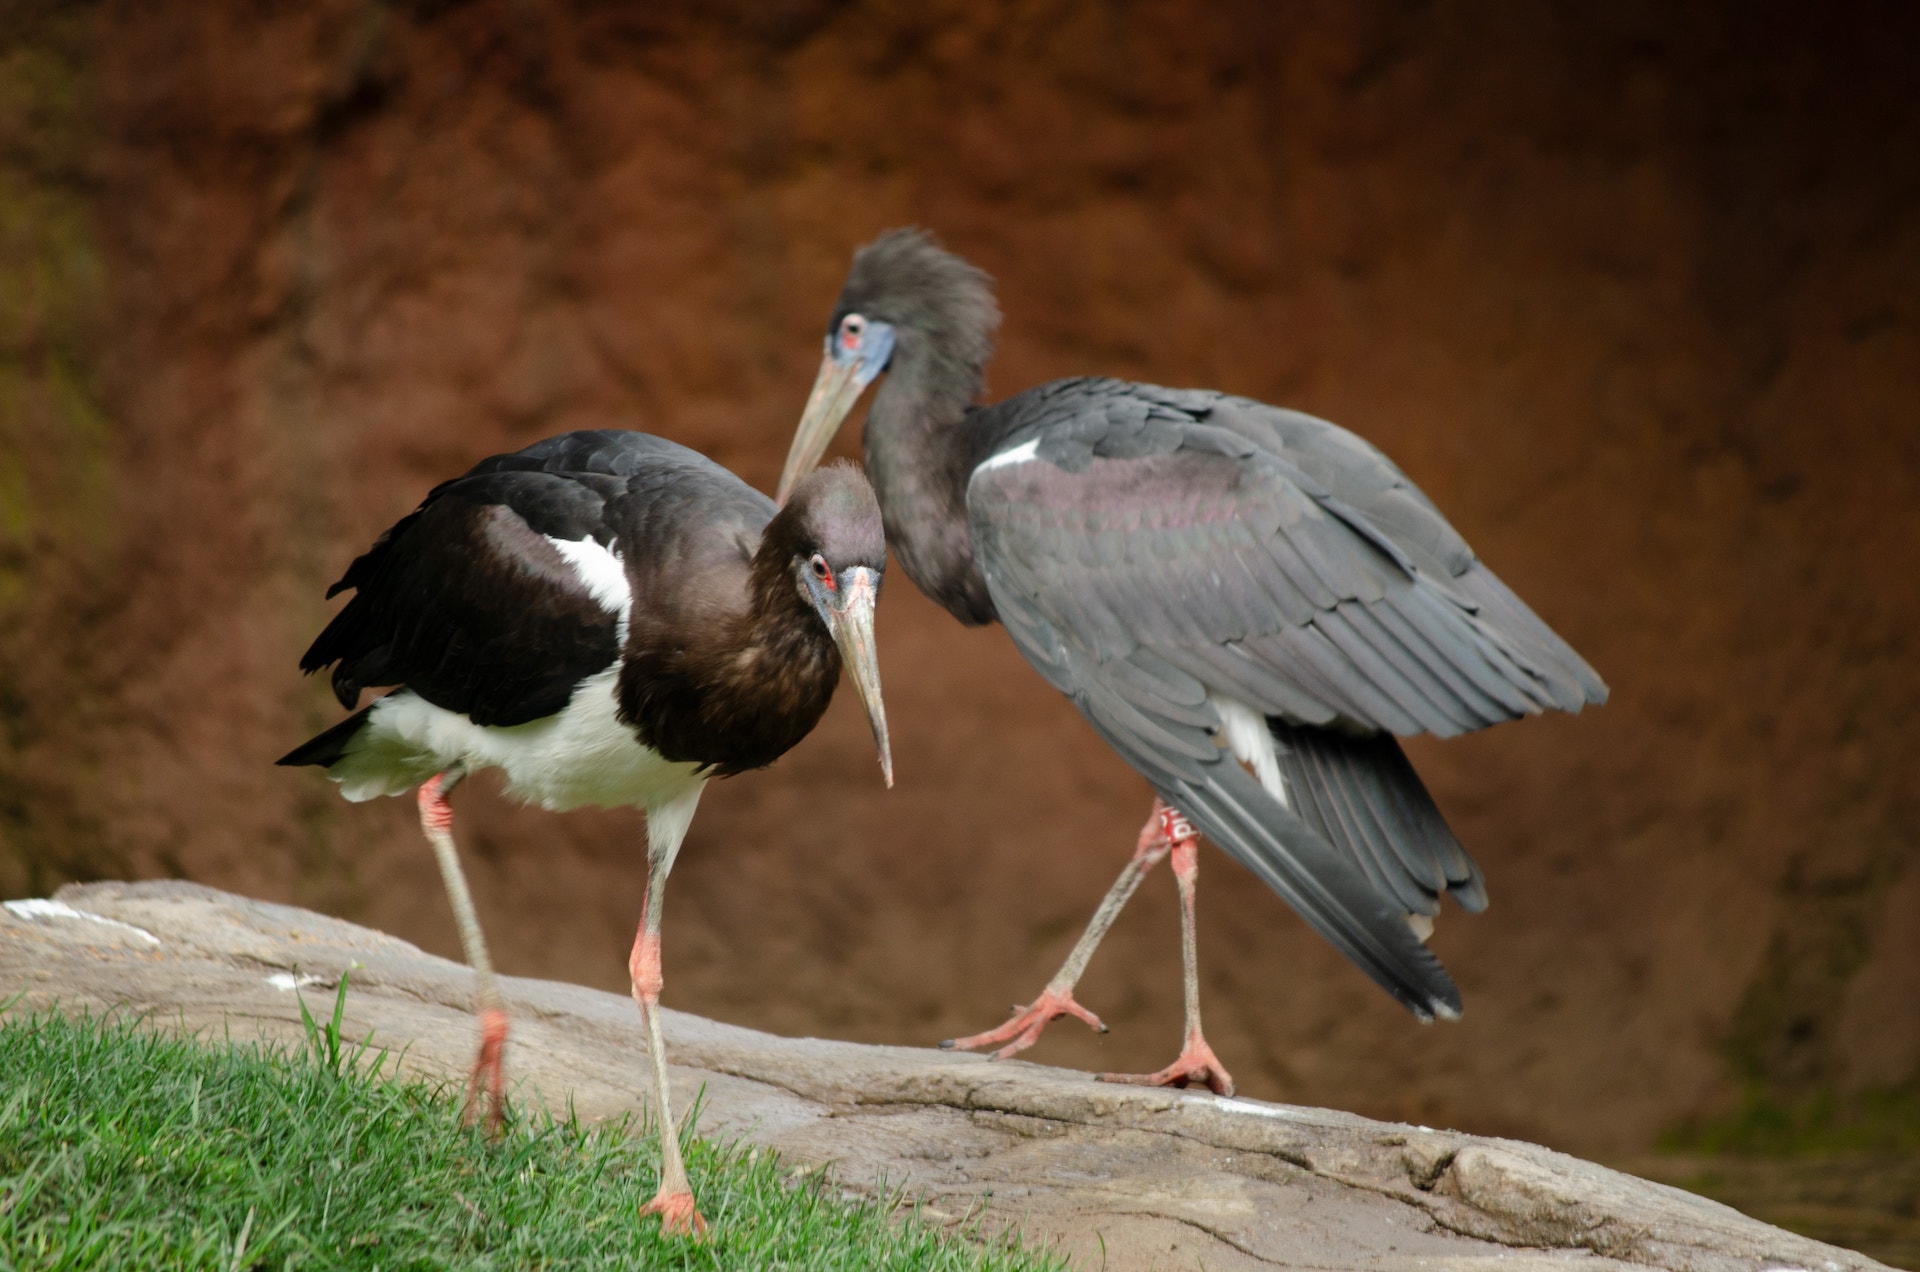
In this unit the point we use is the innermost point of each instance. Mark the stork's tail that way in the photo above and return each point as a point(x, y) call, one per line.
point(329, 748)
point(1365, 798)
point(1322, 882)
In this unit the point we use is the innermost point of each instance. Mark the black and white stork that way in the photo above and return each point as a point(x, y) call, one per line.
point(608, 618)
point(1215, 583)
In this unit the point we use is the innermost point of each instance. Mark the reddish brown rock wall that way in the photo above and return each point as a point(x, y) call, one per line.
point(1630, 293)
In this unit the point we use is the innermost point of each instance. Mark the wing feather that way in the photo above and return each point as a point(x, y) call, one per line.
point(471, 607)
point(1448, 693)
point(1342, 627)
point(1324, 888)
point(1373, 773)
point(1356, 822)
point(1231, 668)
point(1491, 697)
point(468, 602)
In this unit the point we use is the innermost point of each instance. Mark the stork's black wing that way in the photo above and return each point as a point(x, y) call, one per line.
point(1157, 553)
point(469, 602)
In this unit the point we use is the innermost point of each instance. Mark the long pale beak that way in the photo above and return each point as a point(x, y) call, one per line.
point(835, 390)
point(853, 633)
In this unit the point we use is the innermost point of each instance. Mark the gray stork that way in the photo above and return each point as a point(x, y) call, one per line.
point(608, 618)
point(1245, 602)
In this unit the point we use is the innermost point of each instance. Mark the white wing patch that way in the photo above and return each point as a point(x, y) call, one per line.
point(1018, 455)
point(1251, 743)
point(603, 572)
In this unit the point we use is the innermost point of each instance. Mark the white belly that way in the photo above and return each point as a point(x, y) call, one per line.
point(580, 755)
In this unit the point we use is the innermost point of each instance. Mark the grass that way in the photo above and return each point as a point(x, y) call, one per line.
point(125, 1147)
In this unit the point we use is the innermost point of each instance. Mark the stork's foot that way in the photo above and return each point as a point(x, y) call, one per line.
point(1026, 1026)
point(1195, 1064)
point(487, 1084)
point(679, 1217)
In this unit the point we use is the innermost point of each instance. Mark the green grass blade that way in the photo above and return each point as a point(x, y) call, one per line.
point(122, 1147)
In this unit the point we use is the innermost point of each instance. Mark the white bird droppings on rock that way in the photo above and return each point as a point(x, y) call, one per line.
point(289, 981)
point(1262, 1110)
point(37, 908)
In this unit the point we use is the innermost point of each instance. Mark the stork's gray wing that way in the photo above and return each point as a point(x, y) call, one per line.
point(1156, 553)
point(1165, 523)
point(1353, 477)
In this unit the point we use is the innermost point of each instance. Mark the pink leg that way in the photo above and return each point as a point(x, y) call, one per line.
point(1024, 1029)
point(1196, 1061)
point(673, 1201)
point(487, 1083)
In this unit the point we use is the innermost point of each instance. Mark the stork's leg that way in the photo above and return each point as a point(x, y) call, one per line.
point(488, 1080)
point(666, 828)
point(1027, 1023)
point(1196, 1062)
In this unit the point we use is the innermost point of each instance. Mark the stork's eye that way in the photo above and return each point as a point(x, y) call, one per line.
point(852, 329)
point(821, 571)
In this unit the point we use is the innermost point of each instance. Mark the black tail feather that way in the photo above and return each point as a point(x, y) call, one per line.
point(1321, 882)
point(1364, 796)
point(327, 749)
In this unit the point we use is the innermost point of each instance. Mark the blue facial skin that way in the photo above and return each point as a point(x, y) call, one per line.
point(830, 603)
point(871, 357)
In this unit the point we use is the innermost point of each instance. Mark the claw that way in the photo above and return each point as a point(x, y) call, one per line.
point(1196, 1063)
point(1026, 1026)
point(679, 1217)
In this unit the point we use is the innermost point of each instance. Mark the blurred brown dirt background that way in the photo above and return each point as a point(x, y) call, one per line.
point(1630, 289)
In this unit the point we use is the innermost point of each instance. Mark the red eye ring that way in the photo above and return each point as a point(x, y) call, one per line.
point(851, 329)
point(823, 572)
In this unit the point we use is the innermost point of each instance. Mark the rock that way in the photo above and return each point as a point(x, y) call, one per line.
point(1117, 1176)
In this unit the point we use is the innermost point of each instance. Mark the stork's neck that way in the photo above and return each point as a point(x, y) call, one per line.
point(922, 445)
point(729, 685)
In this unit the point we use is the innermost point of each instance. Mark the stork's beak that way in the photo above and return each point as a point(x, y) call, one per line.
point(849, 365)
point(852, 627)
point(835, 390)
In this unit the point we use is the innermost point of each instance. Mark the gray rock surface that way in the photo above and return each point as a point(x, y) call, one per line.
point(1117, 1176)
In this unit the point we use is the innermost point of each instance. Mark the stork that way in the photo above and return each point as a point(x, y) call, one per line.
point(608, 618)
point(1247, 603)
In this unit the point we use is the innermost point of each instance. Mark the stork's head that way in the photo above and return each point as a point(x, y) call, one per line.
point(838, 556)
point(906, 297)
